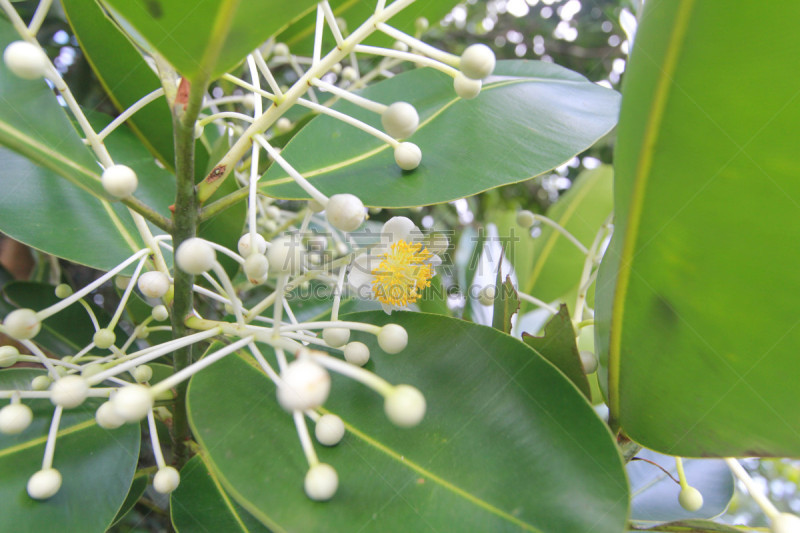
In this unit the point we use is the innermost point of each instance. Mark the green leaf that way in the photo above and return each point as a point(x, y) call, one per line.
point(97, 466)
point(206, 41)
point(519, 245)
point(557, 263)
point(138, 486)
point(201, 504)
point(300, 35)
point(124, 75)
point(529, 118)
point(507, 444)
point(558, 346)
point(695, 526)
point(654, 495)
point(697, 295)
point(506, 302)
point(434, 298)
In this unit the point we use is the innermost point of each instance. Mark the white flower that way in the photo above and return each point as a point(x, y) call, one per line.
point(396, 270)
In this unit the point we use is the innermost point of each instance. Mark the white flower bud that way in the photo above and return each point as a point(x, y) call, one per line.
point(280, 50)
point(9, 356)
point(335, 337)
point(405, 406)
point(69, 391)
point(160, 313)
point(44, 484)
point(272, 212)
point(690, 499)
point(153, 284)
point(107, 417)
point(487, 295)
point(121, 282)
point(315, 206)
point(421, 24)
point(283, 124)
point(41, 383)
point(195, 256)
point(132, 402)
point(588, 361)
point(465, 87)
point(356, 353)
point(407, 156)
point(256, 268)
point(392, 338)
point(349, 74)
point(63, 290)
point(477, 61)
point(119, 181)
point(15, 418)
point(526, 219)
point(785, 523)
point(166, 480)
point(285, 256)
point(400, 46)
point(321, 482)
point(329, 430)
point(305, 385)
point(345, 212)
point(104, 338)
point(400, 120)
point(22, 324)
point(26, 60)
point(142, 373)
point(244, 245)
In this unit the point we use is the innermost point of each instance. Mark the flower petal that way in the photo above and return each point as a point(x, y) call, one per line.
point(435, 260)
point(360, 277)
point(397, 229)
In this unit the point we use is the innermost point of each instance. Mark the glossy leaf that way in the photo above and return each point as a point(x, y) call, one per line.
point(506, 303)
point(97, 466)
point(208, 40)
point(558, 346)
point(558, 263)
point(299, 36)
point(529, 118)
point(697, 295)
point(200, 504)
point(693, 526)
point(654, 495)
point(532, 443)
point(138, 486)
point(124, 75)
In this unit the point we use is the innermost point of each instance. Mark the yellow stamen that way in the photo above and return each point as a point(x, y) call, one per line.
point(402, 273)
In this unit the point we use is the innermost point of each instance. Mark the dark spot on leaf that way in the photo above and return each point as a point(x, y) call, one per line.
point(154, 8)
point(216, 174)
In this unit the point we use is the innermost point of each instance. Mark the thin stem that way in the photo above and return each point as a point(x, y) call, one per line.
point(159, 456)
point(407, 56)
point(124, 300)
point(556, 226)
point(52, 435)
point(39, 16)
point(252, 199)
point(337, 296)
point(681, 474)
point(330, 18)
point(360, 101)
point(289, 169)
point(128, 113)
point(378, 384)
point(537, 301)
point(347, 119)
point(430, 51)
point(305, 438)
point(755, 492)
point(318, 27)
point(267, 73)
point(265, 366)
point(230, 291)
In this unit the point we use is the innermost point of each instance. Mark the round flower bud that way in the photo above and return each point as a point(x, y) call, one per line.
point(421, 24)
point(121, 282)
point(335, 337)
point(160, 313)
point(61, 371)
point(26, 60)
point(91, 369)
point(345, 212)
point(315, 206)
point(256, 268)
point(329, 430)
point(44, 484)
point(400, 46)
point(305, 385)
point(526, 219)
point(477, 61)
point(400, 120)
point(41, 383)
point(356, 353)
point(198, 130)
point(690, 499)
point(69, 391)
point(588, 361)
point(407, 156)
point(487, 295)
point(104, 338)
point(119, 181)
point(166, 480)
point(195, 256)
point(785, 523)
point(107, 417)
point(153, 284)
point(465, 87)
point(272, 212)
point(9, 356)
point(285, 256)
point(63, 290)
point(283, 124)
point(244, 245)
point(321, 482)
point(405, 406)
point(392, 338)
point(142, 373)
point(15, 418)
point(22, 324)
point(132, 402)
point(349, 74)
point(280, 50)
